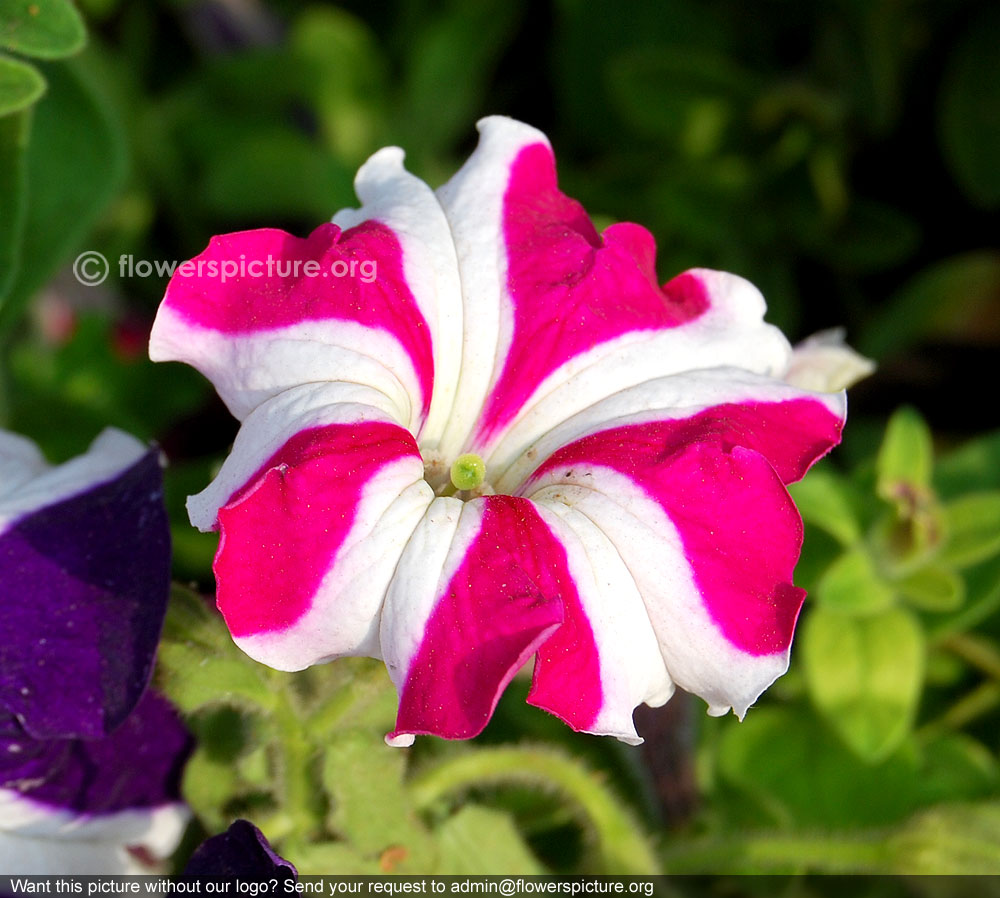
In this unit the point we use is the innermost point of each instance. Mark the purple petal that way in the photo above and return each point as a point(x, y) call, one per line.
point(241, 851)
point(136, 767)
point(83, 589)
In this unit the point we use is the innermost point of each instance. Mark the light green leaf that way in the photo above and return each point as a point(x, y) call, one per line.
point(973, 523)
point(191, 680)
point(865, 675)
point(46, 29)
point(906, 457)
point(969, 126)
point(14, 131)
point(852, 585)
point(331, 859)
point(480, 841)
point(20, 85)
point(198, 664)
point(76, 163)
point(208, 784)
point(933, 588)
point(949, 840)
point(369, 805)
point(824, 500)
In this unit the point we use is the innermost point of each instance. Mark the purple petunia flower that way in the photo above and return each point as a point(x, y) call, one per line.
point(242, 852)
point(89, 761)
point(477, 431)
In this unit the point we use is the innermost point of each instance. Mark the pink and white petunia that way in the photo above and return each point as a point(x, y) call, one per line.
point(512, 443)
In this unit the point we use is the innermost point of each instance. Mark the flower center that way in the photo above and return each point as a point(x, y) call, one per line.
point(468, 472)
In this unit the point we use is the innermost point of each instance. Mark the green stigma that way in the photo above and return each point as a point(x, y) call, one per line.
point(468, 471)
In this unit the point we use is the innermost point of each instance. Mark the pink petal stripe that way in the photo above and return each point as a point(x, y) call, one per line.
point(567, 677)
point(282, 530)
point(505, 600)
point(570, 287)
point(716, 475)
point(277, 289)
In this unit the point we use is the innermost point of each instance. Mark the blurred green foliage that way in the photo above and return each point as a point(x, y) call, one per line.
point(840, 155)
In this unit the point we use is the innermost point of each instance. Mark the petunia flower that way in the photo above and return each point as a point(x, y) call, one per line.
point(242, 852)
point(510, 443)
point(89, 760)
point(101, 806)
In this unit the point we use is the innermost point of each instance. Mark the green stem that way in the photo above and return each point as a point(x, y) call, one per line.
point(982, 700)
point(975, 650)
point(297, 755)
point(778, 853)
point(624, 848)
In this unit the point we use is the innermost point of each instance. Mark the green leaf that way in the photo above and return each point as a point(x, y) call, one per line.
point(948, 297)
point(906, 457)
point(370, 806)
point(450, 59)
point(865, 675)
point(956, 767)
point(973, 523)
point(14, 131)
point(274, 175)
point(20, 85)
point(974, 466)
point(208, 784)
point(685, 96)
point(824, 500)
point(348, 78)
point(871, 237)
point(950, 840)
point(796, 773)
point(481, 841)
point(933, 588)
point(852, 585)
point(968, 124)
point(46, 29)
point(330, 859)
point(198, 664)
point(982, 587)
point(76, 163)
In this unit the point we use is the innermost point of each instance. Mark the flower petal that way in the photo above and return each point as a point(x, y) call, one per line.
point(241, 851)
point(91, 800)
point(409, 208)
point(730, 333)
point(286, 317)
point(318, 498)
point(604, 659)
point(825, 362)
point(695, 504)
point(88, 541)
point(548, 298)
point(477, 591)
